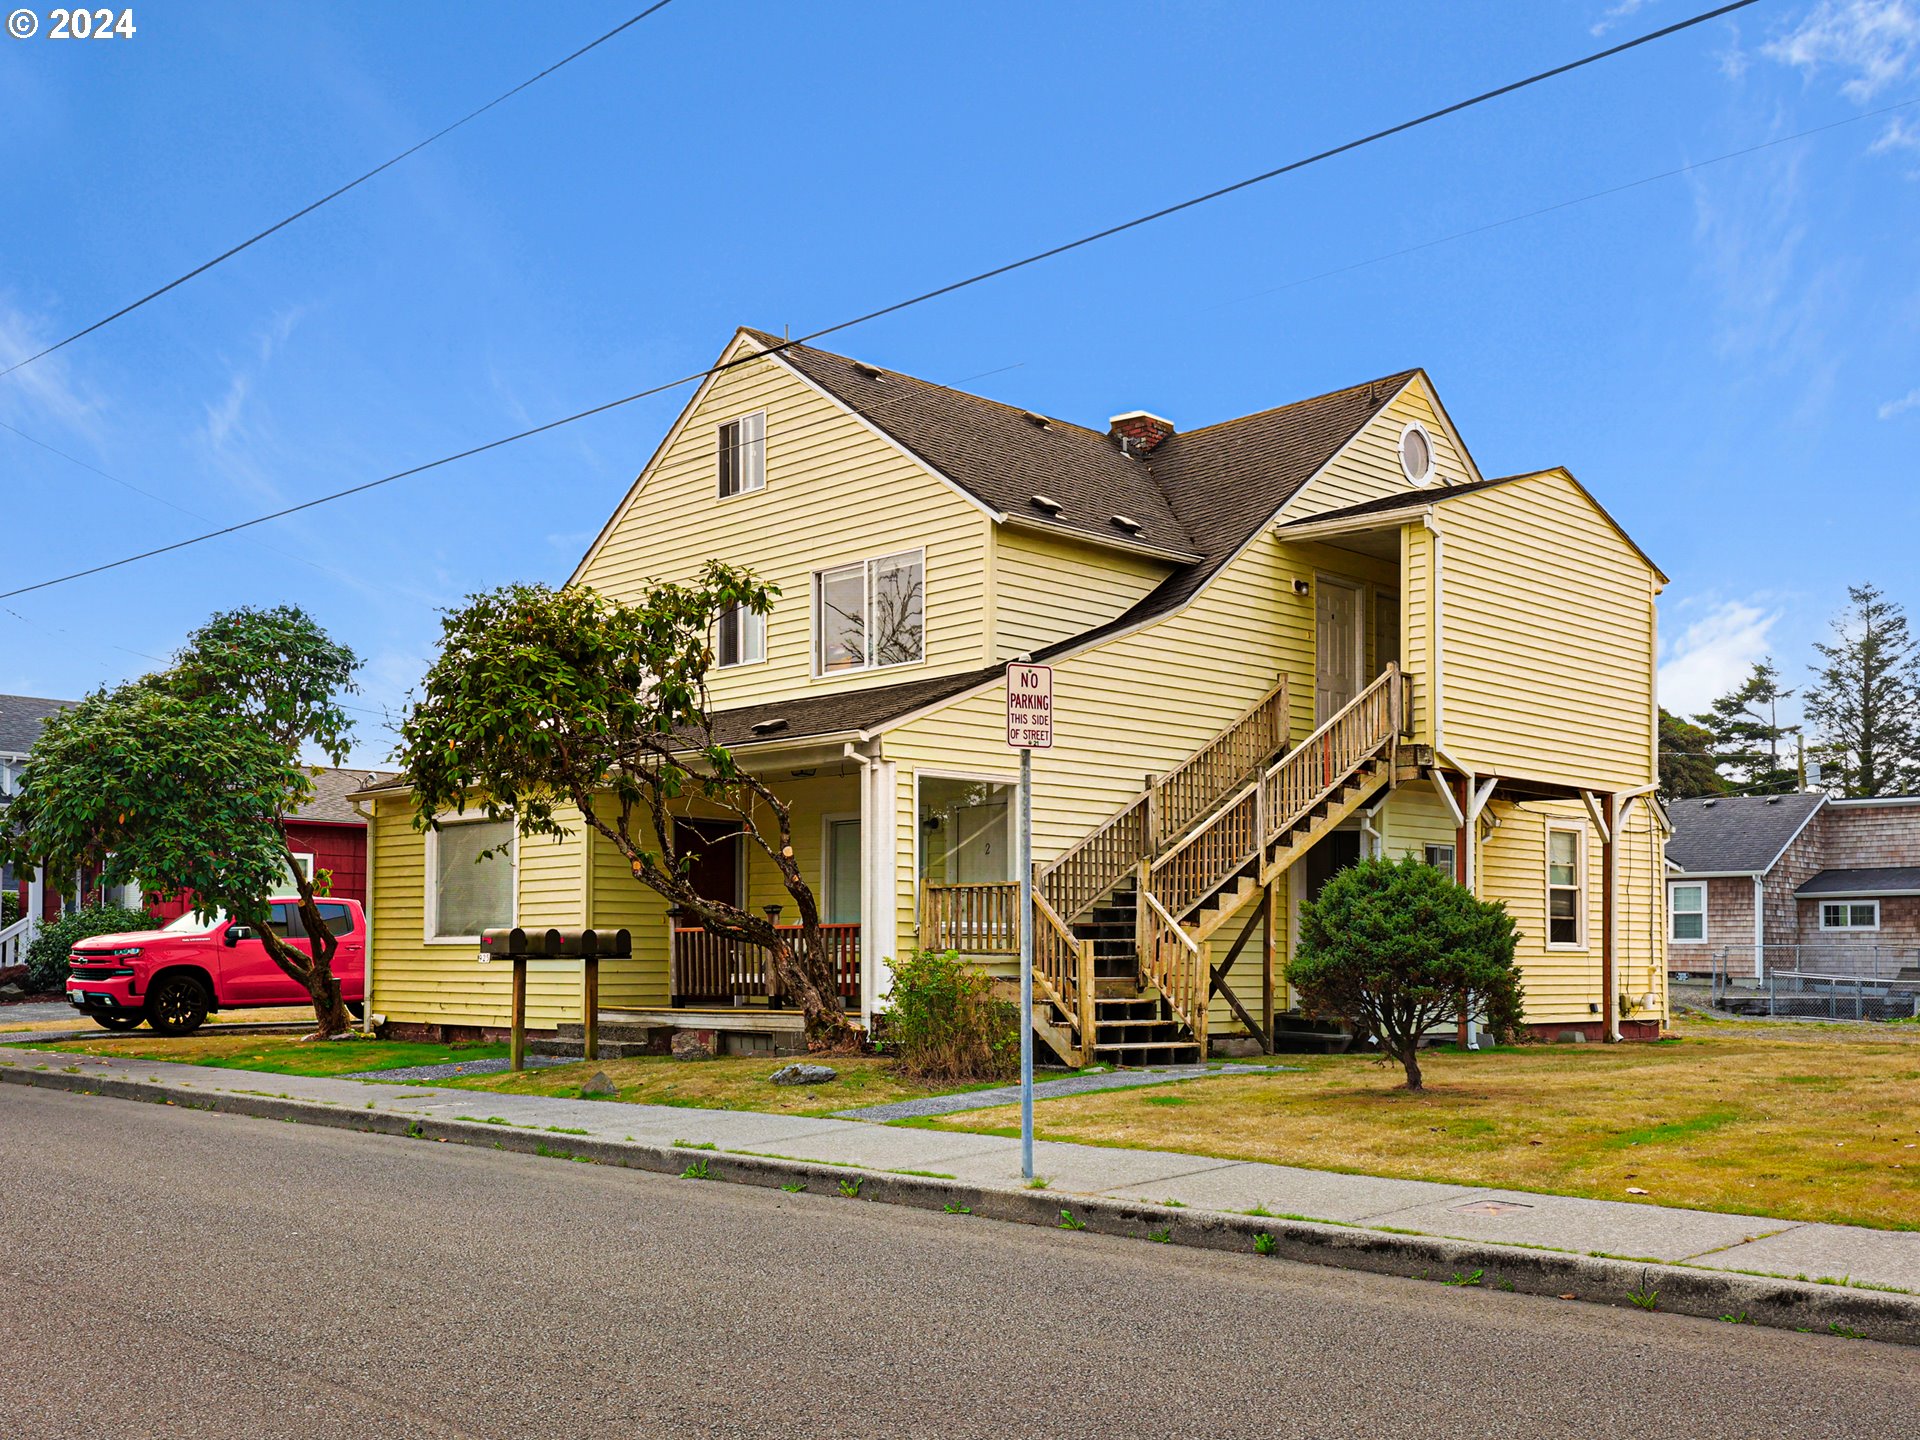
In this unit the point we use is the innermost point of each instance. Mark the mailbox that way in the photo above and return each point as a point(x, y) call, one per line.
point(585, 944)
point(504, 942)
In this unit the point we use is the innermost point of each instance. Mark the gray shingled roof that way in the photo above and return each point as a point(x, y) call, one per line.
point(21, 717)
point(1411, 500)
point(331, 789)
point(1200, 493)
point(1736, 834)
point(1885, 880)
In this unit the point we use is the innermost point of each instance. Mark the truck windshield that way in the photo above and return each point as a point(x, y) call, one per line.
point(192, 924)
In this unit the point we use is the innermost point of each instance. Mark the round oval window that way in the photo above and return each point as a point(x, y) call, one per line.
point(1416, 455)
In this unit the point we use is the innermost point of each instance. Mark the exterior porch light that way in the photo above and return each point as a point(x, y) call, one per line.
point(1302, 587)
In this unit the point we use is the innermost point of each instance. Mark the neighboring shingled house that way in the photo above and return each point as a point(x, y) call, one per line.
point(1761, 882)
point(21, 717)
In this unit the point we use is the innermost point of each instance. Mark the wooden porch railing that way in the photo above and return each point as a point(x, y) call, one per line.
point(14, 940)
point(1165, 809)
point(973, 919)
point(1175, 964)
point(711, 969)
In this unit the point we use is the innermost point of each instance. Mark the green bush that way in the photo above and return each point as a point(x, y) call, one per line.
point(946, 1026)
point(1394, 947)
point(9, 907)
point(47, 956)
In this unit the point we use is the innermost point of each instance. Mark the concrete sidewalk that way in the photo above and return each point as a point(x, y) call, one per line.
point(1748, 1244)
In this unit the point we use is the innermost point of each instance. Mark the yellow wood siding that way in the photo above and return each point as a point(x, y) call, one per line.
point(1547, 629)
point(1417, 646)
point(1369, 466)
point(415, 981)
point(1561, 984)
point(1047, 588)
point(835, 493)
point(1137, 703)
point(620, 900)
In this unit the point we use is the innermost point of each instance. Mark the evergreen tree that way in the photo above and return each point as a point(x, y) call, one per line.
point(1747, 733)
point(1864, 704)
point(1687, 767)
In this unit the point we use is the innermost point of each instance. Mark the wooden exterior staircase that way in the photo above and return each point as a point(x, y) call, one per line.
point(1121, 920)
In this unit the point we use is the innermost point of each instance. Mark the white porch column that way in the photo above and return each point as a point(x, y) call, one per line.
point(36, 901)
point(882, 932)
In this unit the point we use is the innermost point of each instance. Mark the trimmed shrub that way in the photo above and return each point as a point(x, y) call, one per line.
point(9, 907)
point(47, 956)
point(946, 1026)
point(1394, 947)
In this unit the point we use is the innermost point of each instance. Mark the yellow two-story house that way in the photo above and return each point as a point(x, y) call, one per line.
point(1277, 643)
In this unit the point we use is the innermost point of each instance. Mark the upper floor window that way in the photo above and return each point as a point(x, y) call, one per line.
point(1687, 912)
point(743, 454)
point(1564, 886)
point(1850, 915)
point(1416, 454)
point(870, 614)
point(740, 637)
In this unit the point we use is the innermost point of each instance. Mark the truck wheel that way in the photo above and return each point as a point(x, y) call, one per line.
point(356, 1009)
point(177, 1005)
point(118, 1022)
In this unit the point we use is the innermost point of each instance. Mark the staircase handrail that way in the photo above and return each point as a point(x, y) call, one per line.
point(1254, 816)
point(1283, 803)
point(1166, 809)
point(1063, 969)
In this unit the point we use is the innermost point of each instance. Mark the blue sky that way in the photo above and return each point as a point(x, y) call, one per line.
point(1729, 358)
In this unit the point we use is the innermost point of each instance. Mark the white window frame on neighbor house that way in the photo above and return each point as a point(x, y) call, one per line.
point(1579, 886)
point(430, 905)
point(866, 568)
point(750, 625)
point(1850, 906)
point(751, 449)
point(1674, 912)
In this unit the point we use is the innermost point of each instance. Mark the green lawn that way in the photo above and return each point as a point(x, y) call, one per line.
point(280, 1054)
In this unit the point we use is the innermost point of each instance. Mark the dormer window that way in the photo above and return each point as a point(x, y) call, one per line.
point(743, 455)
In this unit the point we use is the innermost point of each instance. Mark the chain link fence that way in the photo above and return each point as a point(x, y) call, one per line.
point(1815, 982)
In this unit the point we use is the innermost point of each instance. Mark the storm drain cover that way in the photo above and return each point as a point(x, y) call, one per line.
point(1492, 1207)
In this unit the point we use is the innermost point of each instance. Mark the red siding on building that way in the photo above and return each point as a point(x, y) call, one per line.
point(341, 849)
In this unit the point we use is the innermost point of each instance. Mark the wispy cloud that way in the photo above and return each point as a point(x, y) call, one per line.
point(1908, 401)
point(1875, 44)
point(1713, 654)
point(234, 432)
point(47, 388)
point(1614, 14)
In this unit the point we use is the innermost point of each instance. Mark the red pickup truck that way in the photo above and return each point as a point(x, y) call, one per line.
point(175, 977)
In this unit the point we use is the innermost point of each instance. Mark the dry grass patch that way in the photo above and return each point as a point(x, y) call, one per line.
point(277, 1054)
point(724, 1083)
point(1743, 1120)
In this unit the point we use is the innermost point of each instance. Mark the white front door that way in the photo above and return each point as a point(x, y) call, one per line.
point(980, 853)
point(1338, 657)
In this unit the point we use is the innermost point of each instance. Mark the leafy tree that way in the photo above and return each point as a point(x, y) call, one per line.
point(542, 699)
point(1864, 703)
point(184, 780)
point(1394, 947)
point(1687, 766)
point(1747, 732)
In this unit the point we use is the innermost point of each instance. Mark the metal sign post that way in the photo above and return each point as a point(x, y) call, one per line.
point(1029, 728)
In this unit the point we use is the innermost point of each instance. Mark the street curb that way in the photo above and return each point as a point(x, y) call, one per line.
point(1770, 1301)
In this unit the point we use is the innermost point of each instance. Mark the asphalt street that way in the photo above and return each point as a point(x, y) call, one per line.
point(171, 1272)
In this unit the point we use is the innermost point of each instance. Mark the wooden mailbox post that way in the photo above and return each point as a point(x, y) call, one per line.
point(519, 945)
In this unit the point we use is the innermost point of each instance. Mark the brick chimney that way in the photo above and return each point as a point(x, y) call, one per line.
point(1137, 432)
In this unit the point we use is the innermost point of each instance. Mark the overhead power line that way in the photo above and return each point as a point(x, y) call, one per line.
point(336, 194)
point(922, 298)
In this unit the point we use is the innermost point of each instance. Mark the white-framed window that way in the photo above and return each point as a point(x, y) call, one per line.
point(1566, 887)
point(870, 614)
point(739, 637)
point(1416, 454)
point(1442, 857)
point(467, 894)
point(1687, 913)
point(1849, 914)
point(743, 455)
